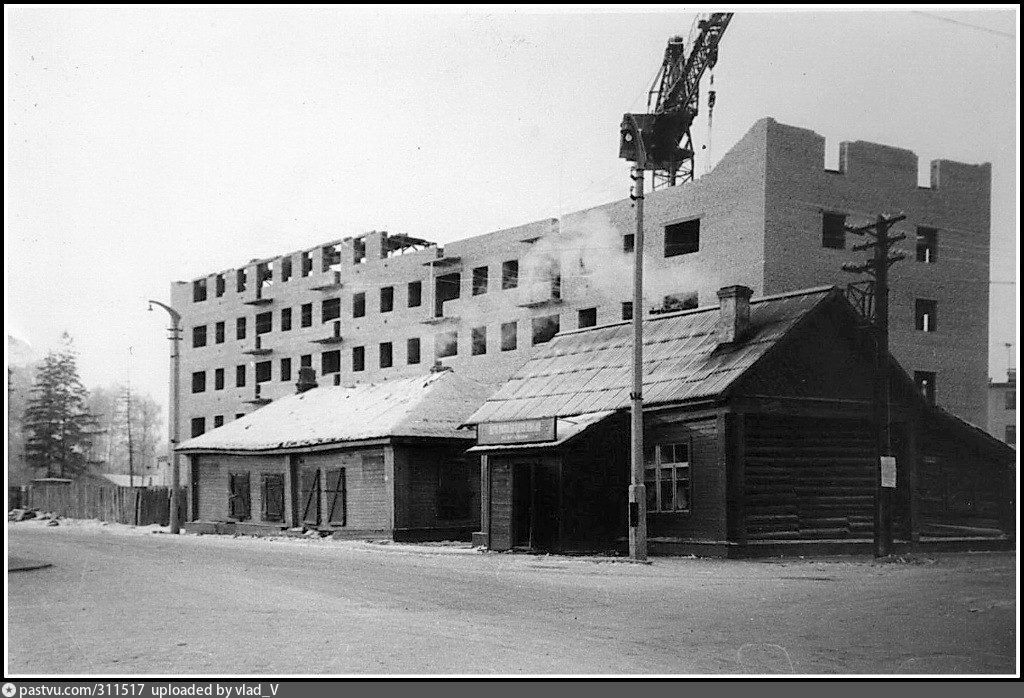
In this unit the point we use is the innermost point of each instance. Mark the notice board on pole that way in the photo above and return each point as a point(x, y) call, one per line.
point(888, 471)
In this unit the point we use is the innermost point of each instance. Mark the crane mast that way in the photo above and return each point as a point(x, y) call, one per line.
point(660, 140)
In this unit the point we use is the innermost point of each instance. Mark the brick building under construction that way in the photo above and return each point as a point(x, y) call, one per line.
point(770, 216)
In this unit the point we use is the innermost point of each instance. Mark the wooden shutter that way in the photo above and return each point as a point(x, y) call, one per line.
point(337, 497)
point(273, 497)
point(311, 497)
point(238, 500)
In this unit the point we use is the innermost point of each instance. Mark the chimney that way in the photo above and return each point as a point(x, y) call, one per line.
point(733, 313)
point(307, 380)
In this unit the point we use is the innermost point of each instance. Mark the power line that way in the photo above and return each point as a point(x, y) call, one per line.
point(965, 24)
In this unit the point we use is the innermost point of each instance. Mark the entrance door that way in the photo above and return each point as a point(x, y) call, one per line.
point(535, 496)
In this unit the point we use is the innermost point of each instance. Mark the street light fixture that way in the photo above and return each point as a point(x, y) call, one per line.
point(175, 337)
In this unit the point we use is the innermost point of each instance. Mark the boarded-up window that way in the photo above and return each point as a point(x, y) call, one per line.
point(337, 497)
point(239, 502)
point(310, 485)
point(273, 497)
point(454, 495)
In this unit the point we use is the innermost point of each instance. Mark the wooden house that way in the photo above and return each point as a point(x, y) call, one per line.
point(758, 439)
point(383, 459)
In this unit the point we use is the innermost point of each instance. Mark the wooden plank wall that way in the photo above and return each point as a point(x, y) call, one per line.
point(808, 478)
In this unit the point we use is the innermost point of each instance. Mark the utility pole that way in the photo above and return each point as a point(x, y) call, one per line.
point(128, 425)
point(637, 490)
point(175, 337)
point(878, 268)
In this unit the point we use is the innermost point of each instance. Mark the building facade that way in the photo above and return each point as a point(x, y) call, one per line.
point(769, 216)
point(758, 435)
point(1002, 409)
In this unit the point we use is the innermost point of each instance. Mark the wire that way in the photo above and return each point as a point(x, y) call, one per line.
point(965, 24)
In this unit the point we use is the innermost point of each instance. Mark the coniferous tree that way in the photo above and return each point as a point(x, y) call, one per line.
point(57, 423)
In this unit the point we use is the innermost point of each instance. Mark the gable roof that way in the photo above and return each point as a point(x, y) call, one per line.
point(430, 406)
point(586, 371)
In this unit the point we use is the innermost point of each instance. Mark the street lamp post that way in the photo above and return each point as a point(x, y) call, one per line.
point(175, 338)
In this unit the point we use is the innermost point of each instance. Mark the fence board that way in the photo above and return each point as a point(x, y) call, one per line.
point(138, 506)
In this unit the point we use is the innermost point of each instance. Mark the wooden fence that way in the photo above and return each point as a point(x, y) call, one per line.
point(139, 506)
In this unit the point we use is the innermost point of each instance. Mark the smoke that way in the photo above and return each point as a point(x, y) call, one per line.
point(587, 252)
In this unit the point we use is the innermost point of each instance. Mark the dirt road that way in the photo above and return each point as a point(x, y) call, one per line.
point(122, 602)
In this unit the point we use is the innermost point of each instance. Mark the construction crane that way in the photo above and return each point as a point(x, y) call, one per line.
point(660, 140)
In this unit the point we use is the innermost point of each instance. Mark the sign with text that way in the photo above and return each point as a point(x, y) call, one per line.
point(888, 471)
point(520, 431)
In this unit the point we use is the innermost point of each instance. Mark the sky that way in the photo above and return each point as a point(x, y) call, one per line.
point(148, 145)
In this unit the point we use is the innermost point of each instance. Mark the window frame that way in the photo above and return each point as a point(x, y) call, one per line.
point(509, 274)
point(409, 354)
point(411, 296)
point(926, 313)
point(387, 293)
point(682, 248)
point(480, 281)
point(926, 244)
point(655, 468)
point(829, 235)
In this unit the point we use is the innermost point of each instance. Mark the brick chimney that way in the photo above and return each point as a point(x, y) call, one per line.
point(307, 380)
point(733, 313)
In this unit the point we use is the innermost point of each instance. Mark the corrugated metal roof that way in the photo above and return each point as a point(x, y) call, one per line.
point(433, 405)
point(590, 370)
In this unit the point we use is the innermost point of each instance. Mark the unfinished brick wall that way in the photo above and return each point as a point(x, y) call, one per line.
point(876, 179)
point(760, 225)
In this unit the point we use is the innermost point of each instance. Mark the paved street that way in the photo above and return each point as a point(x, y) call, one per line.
point(122, 602)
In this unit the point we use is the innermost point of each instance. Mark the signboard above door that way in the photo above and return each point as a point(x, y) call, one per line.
point(521, 431)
